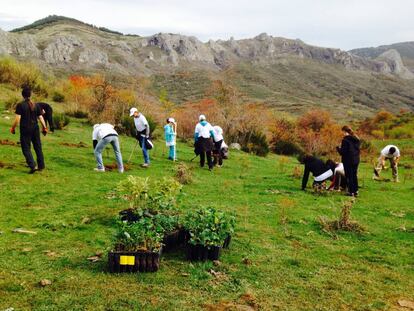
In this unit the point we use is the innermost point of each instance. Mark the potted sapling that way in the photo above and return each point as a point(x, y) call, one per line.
point(137, 246)
point(208, 230)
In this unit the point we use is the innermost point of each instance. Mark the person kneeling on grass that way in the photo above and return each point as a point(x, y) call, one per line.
point(102, 135)
point(392, 153)
point(338, 181)
point(319, 169)
point(170, 132)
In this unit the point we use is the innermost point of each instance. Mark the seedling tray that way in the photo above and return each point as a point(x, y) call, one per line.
point(140, 261)
point(202, 253)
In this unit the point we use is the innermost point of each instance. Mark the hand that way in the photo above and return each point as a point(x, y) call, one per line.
point(44, 131)
point(12, 130)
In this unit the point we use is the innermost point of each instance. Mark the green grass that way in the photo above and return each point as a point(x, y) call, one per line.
point(294, 264)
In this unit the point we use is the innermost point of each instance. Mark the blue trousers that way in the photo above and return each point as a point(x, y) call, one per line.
point(171, 152)
point(113, 140)
point(144, 149)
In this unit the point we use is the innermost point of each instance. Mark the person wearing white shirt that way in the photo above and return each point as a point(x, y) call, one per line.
point(218, 145)
point(392, 153)
point(143, 132)
point(102, 135)
point(203, 134)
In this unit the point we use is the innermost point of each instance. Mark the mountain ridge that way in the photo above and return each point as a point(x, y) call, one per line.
point(260, 65)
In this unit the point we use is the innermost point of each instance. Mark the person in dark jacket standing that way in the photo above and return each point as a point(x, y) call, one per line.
point(47, 113)
point(350, 151)
point(27, 114)
point(320, 170)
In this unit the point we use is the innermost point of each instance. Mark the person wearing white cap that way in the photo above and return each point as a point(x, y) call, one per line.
point(102, 135)
point(143, 132)
point(203, 143)
point(170, 132)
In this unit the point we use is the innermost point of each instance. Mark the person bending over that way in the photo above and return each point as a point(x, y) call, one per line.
point(102, 135)
point(319, 169)
point(391, 153)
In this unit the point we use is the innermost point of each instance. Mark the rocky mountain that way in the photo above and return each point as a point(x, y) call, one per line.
point(67, 45)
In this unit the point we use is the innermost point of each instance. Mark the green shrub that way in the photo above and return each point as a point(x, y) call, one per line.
point(286, 148)
point(58, 97)
point(60, 120)
point(208, 226)
point(183, 174)
point(11, 103)
point(78, 114)
point(256, 143)
point(22, 74)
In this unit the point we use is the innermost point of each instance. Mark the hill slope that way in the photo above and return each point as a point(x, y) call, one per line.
point(281, 72)
point(279, 258)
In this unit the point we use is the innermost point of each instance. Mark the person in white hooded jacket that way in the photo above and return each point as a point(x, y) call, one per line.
point(219, 144)
point(203, 134)
point(102, 135)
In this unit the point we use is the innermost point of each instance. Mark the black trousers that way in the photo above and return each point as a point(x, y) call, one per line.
point(49, 118)
point(32, 137)
point(351, 174)
point(203, 156)
point(218, 157)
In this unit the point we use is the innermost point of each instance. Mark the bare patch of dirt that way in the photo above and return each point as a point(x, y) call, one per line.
point(6, 165)
point(7, 142)
point(114, 167)
point(79, 145)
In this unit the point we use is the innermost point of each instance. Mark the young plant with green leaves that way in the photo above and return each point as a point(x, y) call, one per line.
point(209, 227)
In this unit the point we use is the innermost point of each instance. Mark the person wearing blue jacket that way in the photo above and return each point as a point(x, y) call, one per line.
point(203, 142)
point(170, 134)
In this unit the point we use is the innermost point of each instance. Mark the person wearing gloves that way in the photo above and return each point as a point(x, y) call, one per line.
point(102, 135)
point(170, 133)
point(143, 133)
point(350, 153)
point(219, 144)
point(391, 153)
point(27, 114)
point(319, 169)
point(203, 134)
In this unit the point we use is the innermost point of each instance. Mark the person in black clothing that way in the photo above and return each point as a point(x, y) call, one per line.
point(349, 151)
point(47, 113)
point(319, 169)
point(27, 114)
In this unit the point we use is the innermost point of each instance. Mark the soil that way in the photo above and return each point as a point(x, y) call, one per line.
point(79, 145)
point(7, 142)
point(6, 165)
point(114, 167)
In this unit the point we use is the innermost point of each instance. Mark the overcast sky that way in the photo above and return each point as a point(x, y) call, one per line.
point(343, 24)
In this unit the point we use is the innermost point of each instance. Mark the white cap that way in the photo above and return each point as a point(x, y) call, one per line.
point(132, 111)
point(96, 125)
point(171, 120)
point(202, 117)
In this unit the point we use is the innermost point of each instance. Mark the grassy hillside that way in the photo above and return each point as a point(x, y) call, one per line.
point(293, 85)
point(279, 259)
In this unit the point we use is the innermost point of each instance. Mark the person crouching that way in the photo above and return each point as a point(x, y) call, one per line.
point(102, 135)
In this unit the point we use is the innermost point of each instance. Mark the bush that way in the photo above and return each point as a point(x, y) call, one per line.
point(11, 103)
point(78, 114)
point(58, 97)
point(286, 148)
point(60, 120)
point(183, 174)
point(257, 144)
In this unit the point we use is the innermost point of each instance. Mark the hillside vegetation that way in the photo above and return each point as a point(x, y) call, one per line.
point(280, 258)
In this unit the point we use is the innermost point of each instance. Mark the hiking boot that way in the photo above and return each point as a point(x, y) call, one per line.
point(32, 170)
point(99, 169)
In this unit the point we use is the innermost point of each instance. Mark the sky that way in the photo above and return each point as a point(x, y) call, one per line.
point(344, 24)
